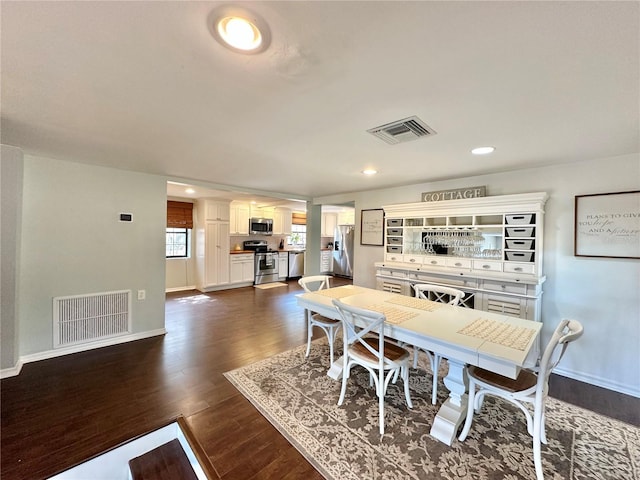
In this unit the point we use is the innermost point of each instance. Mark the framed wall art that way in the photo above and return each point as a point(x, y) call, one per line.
point(607, 225)
point(372, 227)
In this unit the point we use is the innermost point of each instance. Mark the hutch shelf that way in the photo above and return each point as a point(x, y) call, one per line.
point(489, 247)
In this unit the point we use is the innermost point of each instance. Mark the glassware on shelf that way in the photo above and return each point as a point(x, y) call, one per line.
point(459, 242)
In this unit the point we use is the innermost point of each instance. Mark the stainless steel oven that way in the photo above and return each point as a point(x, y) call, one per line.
point(266, 267)
point(265, 261)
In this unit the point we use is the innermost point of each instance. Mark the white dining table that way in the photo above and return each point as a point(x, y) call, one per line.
point(500, 343)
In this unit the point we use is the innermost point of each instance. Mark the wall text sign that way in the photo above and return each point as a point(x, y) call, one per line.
point(607, 225)
point(455, 194)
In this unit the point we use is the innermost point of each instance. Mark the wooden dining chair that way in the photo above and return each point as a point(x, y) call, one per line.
point(531, 387)
point(435, 293)
point(365, 345)
point(329, 326)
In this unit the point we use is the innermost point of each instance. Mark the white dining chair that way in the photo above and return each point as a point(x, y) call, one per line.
point(329, 326)
point(383, 360)
point(435, 293)
point(531, 387)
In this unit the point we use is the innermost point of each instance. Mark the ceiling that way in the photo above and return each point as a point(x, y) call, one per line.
point(189, 191)
point(144, 86)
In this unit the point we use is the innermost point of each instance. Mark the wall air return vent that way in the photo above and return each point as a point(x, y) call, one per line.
point(401, 131)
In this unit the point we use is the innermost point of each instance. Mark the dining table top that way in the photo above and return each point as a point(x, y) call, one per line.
point(494, 341)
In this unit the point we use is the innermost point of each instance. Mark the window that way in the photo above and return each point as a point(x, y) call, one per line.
point(179, 224)
point(177, 242)
point(298, 237)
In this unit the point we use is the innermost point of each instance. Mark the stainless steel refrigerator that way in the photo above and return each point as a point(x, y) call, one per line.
point(343, 250)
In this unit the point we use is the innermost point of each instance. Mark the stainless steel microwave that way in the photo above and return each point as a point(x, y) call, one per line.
point(260, 226)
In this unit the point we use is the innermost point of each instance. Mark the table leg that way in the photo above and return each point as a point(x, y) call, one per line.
point(454, 410)
point(335, 371)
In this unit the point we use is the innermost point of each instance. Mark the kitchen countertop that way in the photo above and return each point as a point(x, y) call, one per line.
point(238, 252)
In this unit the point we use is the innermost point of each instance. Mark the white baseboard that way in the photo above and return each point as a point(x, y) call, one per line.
point(179, 289)
point(12, 371)
point(599, 382)
point(34, 357)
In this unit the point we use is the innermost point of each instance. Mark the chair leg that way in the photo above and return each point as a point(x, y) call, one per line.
point(345, 377)
point(537, 459)
point(381, 400)
point(309, 333)
point(470, 411)
point(405, 380)
point(434, 368)
point(416, 352)
point(331, 336)
point(395, 376)
point(538, 432)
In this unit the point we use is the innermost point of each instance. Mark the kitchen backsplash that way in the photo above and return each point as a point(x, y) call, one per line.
point(273, 240)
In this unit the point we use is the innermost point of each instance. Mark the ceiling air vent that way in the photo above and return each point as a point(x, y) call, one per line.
point(404, 130)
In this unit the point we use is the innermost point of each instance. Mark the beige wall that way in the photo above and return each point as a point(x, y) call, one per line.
point(73, 243)
point(11, 168)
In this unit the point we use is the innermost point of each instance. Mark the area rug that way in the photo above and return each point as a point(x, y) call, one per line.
point(295, 394)
point(266, 286)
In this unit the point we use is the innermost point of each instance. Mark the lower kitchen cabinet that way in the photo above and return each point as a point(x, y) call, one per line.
point(326, 263)
point(283, 265)
point(241, 268)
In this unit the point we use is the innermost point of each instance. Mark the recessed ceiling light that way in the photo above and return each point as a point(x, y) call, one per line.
point(190, 190)
point(369, 171)
point(239, 29)
point(483, 150)
point(239, 33)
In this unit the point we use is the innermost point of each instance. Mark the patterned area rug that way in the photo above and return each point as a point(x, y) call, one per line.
point(299, 399)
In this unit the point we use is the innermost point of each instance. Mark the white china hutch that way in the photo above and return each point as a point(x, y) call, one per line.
point(488, 247)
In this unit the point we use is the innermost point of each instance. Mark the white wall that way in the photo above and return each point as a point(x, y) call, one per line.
point(11, 168)
point(602, 293)
point(73, 243)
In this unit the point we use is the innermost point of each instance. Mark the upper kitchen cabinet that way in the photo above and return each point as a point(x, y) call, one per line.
point(215, 210)
point(239, 214)
point(329, 223)
point(281, 221)
point(347, 217)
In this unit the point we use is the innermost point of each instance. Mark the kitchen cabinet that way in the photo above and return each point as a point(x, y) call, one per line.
point(328, 224)
point(239, 218)
point(241, 268)
point(347, 218)
point(264, 212)
point(283, 265)
point(326, 263)
point(489, 247)
point(212, 245)
point(215, 209)
point(281, 221)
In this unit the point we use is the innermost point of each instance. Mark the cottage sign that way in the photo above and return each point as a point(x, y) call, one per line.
point(455, 194)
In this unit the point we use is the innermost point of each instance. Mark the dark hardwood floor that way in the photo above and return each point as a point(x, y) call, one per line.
point(61, 411)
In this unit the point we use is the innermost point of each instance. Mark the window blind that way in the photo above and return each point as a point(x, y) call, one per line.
point(299, 218)
point(179, 214)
